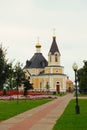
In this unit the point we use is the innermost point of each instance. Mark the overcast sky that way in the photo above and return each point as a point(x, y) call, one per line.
point(22, 21)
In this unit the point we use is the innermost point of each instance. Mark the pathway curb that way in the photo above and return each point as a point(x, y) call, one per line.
point(41, 118)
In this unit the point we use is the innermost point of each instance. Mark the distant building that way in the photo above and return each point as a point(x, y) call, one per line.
point(69, 85)
point(46, 74)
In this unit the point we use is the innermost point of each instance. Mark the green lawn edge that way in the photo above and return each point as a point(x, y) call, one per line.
point(12, 108)
point(69, 120)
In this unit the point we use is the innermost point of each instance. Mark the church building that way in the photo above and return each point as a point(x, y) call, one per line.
point(46, 74)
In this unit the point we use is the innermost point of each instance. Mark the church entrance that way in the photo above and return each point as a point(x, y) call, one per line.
point(57, 87)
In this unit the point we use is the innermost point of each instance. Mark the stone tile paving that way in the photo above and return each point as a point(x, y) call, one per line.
point(41, 118)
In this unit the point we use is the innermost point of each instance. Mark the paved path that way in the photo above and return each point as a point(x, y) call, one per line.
point(41, 118)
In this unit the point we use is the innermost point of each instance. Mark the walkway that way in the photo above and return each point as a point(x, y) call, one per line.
point(41, 118)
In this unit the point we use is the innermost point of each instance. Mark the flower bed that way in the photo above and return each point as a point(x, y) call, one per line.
point(21, 97)
point(41, 96)
point(14, 94)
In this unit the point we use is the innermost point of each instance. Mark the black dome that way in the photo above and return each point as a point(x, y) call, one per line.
point(37, 61)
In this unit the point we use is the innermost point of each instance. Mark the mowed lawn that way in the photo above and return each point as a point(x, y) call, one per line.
point(11, 108)
point(72, 121)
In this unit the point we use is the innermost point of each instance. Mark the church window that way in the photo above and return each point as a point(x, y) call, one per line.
point(40, 85)
point(56, 70)
point(42, 64)
point(56, 58)
point(58, 83)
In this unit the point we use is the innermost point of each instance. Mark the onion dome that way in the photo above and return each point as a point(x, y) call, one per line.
point(37, 60)
point(38, 45)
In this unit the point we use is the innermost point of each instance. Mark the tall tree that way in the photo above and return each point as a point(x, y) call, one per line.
point(27, 85)
point(19, 74)
point(82, 77)
point(4, 66)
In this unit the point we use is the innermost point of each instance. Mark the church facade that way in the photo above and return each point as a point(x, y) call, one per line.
point(46, 74)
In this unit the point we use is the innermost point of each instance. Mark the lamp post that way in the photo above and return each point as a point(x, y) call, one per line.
point(77, 108)
point(17, 82)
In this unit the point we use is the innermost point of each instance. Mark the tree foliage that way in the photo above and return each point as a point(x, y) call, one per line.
point(13, 76)
point(47, 86)
point(82, 77)
point(8, 72)
point(20, 78)
point(27, 86)
point(4, 66)
point(19, 74)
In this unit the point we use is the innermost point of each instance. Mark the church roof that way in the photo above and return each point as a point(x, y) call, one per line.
point(37, 61)
point(68, 81)
point(54, 47)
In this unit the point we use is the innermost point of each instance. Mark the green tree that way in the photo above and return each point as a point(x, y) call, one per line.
point(19, 74)
point(82, 77)
point(10, 76)
point(27, 85)
point(47, 86)
point(4, 66)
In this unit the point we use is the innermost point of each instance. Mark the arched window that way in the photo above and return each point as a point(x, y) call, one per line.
point(58, 83)
point(56, 58)
point(40, 85)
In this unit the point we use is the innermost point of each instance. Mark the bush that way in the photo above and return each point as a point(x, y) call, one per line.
point(54, 93)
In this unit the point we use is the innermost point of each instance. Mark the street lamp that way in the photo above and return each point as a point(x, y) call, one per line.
point(77, 108)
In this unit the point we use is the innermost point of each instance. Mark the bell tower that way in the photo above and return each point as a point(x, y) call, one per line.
point(54, 54)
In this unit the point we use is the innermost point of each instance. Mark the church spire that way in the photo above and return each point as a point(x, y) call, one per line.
point(54, 48)
point(54, 54)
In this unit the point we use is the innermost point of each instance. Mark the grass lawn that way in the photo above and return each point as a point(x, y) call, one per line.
point(11, 108)
point(71, 121)
point(80, 95)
